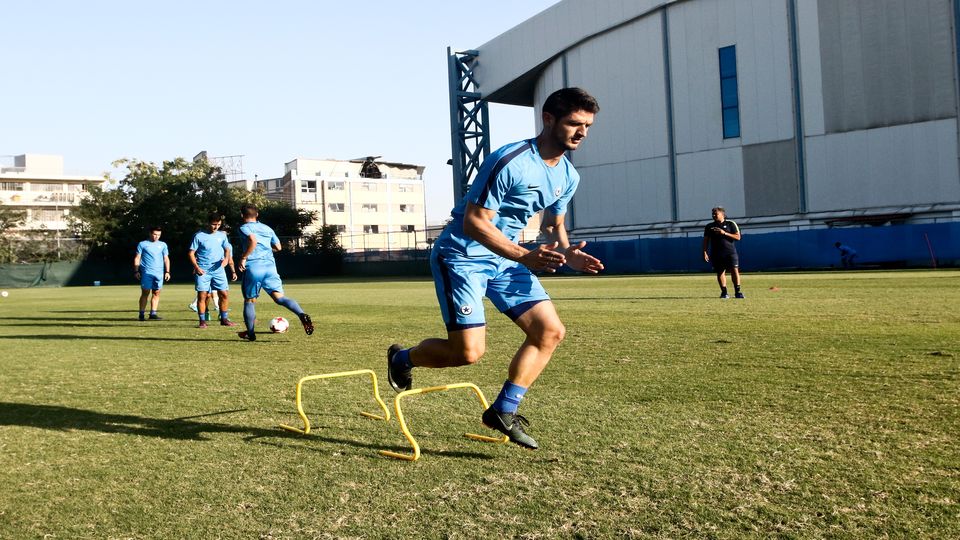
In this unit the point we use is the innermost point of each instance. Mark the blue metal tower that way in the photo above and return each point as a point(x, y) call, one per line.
point(469, 121)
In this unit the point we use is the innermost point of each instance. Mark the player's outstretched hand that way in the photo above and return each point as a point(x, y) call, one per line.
point(582, 262)
point(543, 259)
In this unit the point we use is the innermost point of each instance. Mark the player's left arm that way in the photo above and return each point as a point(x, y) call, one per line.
point(554, 230)
point(734, 235)
point(166, 267)
point(228, 261)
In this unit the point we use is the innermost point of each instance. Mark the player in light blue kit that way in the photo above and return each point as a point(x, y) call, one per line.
point(209, 253)
point(151, 266)
point(260, 272)
point(477, 255)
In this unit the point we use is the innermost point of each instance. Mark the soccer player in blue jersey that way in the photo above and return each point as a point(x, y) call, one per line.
point(151, 266)
point(260, 272)
point(209, 253)
point(477, 255)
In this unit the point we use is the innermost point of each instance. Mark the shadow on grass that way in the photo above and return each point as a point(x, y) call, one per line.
point(112, 338)
point(628, 298)
point(59, 418)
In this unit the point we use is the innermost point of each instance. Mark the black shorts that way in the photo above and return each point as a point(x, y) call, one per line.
point(727, 261)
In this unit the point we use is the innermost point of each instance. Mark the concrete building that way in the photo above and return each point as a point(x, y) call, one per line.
point(793, 114)
point(36, 185)
point(375, 205)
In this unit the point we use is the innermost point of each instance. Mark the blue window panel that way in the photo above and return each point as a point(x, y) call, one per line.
point(728, 93)
point(728, 62)
point(731, 123)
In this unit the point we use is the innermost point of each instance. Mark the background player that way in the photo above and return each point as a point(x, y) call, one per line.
point(260, 271)
point(209, 252)
point(718, 238)
point(477, 255)
point(151, 266)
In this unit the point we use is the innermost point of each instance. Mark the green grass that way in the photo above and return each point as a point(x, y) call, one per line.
point(829, 407)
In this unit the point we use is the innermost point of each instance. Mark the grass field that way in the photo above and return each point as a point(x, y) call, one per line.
point(823, 405)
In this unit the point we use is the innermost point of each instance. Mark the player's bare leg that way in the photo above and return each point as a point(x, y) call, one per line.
point(544, 332)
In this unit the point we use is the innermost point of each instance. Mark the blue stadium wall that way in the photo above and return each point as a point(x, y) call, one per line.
point(877, 247)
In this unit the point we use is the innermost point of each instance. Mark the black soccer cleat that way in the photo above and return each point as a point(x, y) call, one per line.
point(400, 379)
point(155, 317)
point(249, 336)
point(511, 425)
point(738, 295)
point(307, 323)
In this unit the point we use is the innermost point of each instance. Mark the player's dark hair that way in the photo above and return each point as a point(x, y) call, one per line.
point(154, 228)
point(214, 216)
point(249, 210)
point(569, 100)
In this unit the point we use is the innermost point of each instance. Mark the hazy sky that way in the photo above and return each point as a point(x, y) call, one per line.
point(100, 80)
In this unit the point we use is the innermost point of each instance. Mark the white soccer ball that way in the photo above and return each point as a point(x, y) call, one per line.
point(279, 325)
point(4, 294)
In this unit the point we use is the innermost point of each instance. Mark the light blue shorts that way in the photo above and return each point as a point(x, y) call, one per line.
point(212, 280)
point(151, 282)
point(261, 276)
point(462, 282)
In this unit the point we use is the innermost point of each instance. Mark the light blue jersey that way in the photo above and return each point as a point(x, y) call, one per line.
point(266, 238)
point(516, 183)
point(151, 257)
point(210, 249)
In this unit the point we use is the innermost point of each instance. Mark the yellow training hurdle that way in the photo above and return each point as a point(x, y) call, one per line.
point(409, 436)
point(303, 416)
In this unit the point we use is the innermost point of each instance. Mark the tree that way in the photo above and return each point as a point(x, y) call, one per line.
point(176, 196)
point(326, 241)
point(8, 220)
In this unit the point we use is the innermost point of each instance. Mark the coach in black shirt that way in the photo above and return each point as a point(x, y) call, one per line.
point(719, 249)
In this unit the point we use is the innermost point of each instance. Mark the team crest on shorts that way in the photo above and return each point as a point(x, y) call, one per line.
point(466, 309)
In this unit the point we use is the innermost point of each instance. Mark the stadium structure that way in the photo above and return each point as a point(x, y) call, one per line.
point(811, 121)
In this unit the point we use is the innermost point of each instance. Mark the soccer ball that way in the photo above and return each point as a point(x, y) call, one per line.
point(279, 325)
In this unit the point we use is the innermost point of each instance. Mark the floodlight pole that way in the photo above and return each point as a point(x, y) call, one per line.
point(469, 121)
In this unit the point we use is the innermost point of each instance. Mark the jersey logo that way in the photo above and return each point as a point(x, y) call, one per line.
point(466, 309)
point(556, 192)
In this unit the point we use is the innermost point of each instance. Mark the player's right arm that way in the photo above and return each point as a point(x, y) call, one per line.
point(478, 225)
point(706, 244)
point(251, 245)
point(192, 255)
point(136, 265)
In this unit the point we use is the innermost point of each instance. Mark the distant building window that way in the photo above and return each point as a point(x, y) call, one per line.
point(62, 197)
point(47, 187)
point(729, 100)
point(335, 207)
point(406, 188)
point(11, 186)
point(369, 207)
point(371, 229)
point(408, 228)
point(341, 228)
point(48, 215)
point(334, 186)
point(407, 208)
point(310, 186)
point(369, 186)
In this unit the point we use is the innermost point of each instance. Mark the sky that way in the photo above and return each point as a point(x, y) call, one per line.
point(101, 80)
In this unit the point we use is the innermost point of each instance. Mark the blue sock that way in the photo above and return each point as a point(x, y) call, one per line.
point(202, 316)
point(224, 315)
point(141, 313)
point(402, 359)
point(290, 304)
point(510, 397)
point(249, 315)
point(153, 312)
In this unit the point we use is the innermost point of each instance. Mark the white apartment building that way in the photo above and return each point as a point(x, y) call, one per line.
point(374, 205)
point(36, 184)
